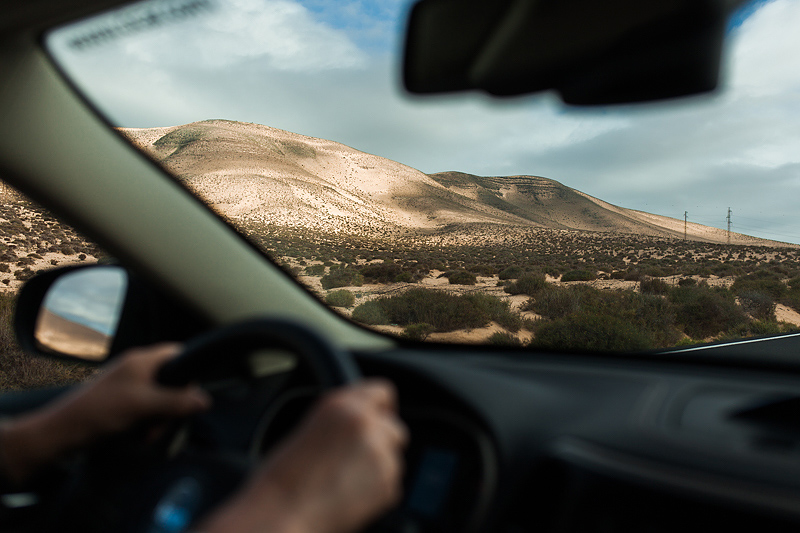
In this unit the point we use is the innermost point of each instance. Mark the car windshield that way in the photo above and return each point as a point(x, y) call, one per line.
point(463, 218)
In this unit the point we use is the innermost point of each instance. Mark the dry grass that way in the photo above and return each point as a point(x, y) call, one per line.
point(21, 371)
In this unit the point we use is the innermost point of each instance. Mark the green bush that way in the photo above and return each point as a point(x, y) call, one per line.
point(315, 270)
point(496, 309)
point(758, 304)
point(381, 272)
point(633, 275)
point(512, 272)
point(760, 281)
point(653, 286)
point(792, 298)
point(341, 277)
point(704, 312)
point(443, 311)
point(462, 277)
point(482, 270)
point(590, 332)
point(555, 302)
point(687, 282)
point(530, 284)
point(404, 277)
point(503, 339)
point(578, 275)
point(417, 332)
point(371, 313)
point(340, 298)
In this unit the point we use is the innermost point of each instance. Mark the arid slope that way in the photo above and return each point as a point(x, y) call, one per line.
point(259, 174)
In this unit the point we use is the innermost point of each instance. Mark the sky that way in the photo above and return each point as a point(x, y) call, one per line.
point(91, 297)
point(331, 70)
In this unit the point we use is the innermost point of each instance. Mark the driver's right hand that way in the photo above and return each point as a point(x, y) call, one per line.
point(337, 471)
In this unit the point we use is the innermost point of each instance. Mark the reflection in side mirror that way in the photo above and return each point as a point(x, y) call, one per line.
point(81, 312)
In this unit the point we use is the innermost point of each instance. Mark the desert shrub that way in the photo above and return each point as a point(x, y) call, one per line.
point(756, 328)
point(24, 275)
point(341, 277)
point(25, 261)
point(592, 332)
point(654, 272)
point(578, 275)
point(653, 286)
point(20, 371)
point(618, 274)
point(67, 250)
point(687, 282)
point(381, 272)
point(404, 277)
point(551, 271)
point(496, 309)
point(443, 311)
point(758, 304)
point(482, 270)
point(512, 272)
point(760, 281)
point(315, 270)
point(792, 298)
point(4, 267)
point(462, 277)
point(417, 332)
point(555, 302)
point(501, 338)
point(371, 313)
point(633, 275)
point(653, 314)
point(530, 284)
point(340, 298)
point(705, 312)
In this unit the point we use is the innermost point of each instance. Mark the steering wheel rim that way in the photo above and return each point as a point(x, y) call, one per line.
point(201, 358)
point(204, 358)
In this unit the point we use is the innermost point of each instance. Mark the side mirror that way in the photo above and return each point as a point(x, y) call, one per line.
point(81, 311)
point(92, 312)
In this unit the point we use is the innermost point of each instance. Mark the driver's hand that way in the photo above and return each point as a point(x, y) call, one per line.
point(123, 394)
point(338, 470)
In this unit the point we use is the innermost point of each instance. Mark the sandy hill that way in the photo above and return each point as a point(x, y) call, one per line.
point(259, 174)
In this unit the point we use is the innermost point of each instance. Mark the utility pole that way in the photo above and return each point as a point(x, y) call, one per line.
point(685, 218)
point(729, 225)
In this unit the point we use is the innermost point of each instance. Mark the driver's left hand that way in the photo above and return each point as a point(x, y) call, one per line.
point(122, 395)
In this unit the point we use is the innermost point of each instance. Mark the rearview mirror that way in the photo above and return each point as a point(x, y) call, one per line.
point(590, 52)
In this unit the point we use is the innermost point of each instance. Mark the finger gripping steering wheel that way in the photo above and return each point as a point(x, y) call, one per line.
point(204, 479)
point(224, 351)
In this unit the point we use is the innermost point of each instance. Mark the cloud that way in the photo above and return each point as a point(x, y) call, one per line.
point(321, 69)
point(279, 34)
point(90, 297)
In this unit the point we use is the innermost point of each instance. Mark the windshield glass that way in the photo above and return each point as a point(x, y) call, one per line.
point(464, 218)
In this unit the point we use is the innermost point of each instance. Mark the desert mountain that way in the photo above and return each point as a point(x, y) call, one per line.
point(258, 174)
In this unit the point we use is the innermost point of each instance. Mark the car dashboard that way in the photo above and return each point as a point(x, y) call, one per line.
point(515, 443)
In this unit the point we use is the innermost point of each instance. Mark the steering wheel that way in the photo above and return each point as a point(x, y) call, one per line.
point(163, 493)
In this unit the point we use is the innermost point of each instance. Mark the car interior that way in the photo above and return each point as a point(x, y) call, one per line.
point(502, 439)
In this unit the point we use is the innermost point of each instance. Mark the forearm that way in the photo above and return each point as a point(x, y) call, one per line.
point(254, 510)
point(28, 444)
